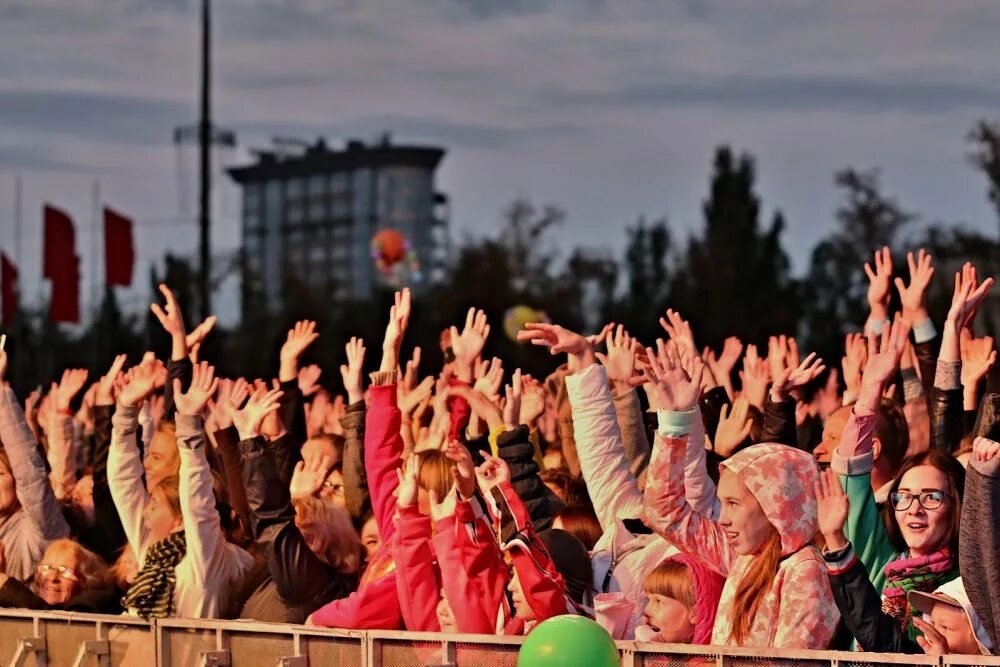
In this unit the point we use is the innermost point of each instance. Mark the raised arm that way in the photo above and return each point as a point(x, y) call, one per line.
point(979, 541)
point(666, 510)
point(202, 527)
point(356, 494)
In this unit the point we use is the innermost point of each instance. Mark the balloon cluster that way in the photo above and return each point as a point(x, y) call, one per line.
point(395, 258)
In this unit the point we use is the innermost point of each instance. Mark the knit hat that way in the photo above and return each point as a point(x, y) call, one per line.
point(707, 590)
point(953, 593)
point(572, 561)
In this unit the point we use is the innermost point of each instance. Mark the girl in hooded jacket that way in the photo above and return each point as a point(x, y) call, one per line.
point(776, 593)
point(682, 599)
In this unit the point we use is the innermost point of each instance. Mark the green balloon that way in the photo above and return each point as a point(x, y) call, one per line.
point(568, 641)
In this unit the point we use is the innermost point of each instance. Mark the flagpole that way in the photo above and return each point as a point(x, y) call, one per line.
point(95, 252)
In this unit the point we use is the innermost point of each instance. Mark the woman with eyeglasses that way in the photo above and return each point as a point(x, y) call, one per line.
point(875, 559)
point(67, 578)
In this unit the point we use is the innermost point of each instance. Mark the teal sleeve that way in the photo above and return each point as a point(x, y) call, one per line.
point(865, 529)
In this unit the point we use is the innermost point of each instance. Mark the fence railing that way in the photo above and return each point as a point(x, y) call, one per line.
point(52, 639)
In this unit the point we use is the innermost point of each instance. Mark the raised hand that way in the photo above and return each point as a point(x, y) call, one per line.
point(464, 472)
point(412, 370)
point(468, 345)
point(532, 400)
point(559, 340)
point(722, 365)
point(968, 294)
point(914, 296)
point(794, 378)
point(351, 372)
point(978, 356)
point(619, 362)
point(481, 406)
point(260, 404)
point(879, 282)
point(679, 330)
point(512, 405)
point(200, 332)
point(69, 386)
point(492, 473)
point(172, 320)
point(931, 641)
point(734, 427)
point(106, 385)
point(602, 335)
point(308, 476)
point(754, 377)
point(833, 507)
point(985, 450)
point(301, 336)
point(406, 492)
point(202, 387)
point(489, 377)
point(140, 382)
point(854, 360)
point(309, 379)
point(676, 391)
point(409, 401)
point(399, 319)
point(884, 354)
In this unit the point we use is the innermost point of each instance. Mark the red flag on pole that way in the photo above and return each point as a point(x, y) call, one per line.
point(8, 288)
point(61, 265)
point(119, 251)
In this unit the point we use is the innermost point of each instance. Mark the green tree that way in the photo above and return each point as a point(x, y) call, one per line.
point(735, 278)
point(985, 137)
point(836, 286)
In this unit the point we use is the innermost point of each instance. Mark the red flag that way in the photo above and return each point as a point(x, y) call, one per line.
point(61, 265)
point(8, 288)
point(60, 241)
point(119, 252)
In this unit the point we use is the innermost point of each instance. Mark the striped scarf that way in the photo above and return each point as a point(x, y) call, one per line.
point(152, 592)
point(919, 573)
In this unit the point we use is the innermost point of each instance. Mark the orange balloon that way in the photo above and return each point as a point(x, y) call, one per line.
point(389, 245)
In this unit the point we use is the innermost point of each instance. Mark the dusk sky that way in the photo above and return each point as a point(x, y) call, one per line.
point(610, 109)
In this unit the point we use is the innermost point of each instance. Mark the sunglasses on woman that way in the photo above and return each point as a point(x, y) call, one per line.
point(60, 571)
point(929, 500)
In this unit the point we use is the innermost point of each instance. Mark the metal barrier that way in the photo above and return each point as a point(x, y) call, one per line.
point(52, 639)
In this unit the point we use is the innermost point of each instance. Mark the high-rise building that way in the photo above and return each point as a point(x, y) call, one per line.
point(309, 217)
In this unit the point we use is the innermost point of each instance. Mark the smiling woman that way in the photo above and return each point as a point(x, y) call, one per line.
point(69, 578)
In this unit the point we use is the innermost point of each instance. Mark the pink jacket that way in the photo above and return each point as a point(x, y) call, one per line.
point(375, 605)
point(798, 611)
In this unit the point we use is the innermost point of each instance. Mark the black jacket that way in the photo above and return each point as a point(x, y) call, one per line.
point(356, 496)
point(15, 594)
point(947, 417)
point(860, 608)
point(779, 423)
point(516, 449)
point(105, 537)
point(302, 581)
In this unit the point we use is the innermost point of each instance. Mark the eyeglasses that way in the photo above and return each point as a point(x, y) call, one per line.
point(335, 489)
point(929, 500)
point(60, 571)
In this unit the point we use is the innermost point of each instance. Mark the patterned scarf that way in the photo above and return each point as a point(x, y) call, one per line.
point(152, 592)
point(921, 573)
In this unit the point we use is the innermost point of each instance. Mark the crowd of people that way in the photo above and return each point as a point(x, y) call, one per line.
point(643, 487)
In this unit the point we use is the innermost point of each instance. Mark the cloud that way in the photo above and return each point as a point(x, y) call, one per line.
point(796, 94)
point(115, 119)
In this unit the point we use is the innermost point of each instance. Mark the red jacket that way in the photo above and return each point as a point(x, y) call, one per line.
point(375, 605)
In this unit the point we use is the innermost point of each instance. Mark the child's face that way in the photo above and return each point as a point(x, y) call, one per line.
point(670, 618)
point(952, 622)
point(521, 607)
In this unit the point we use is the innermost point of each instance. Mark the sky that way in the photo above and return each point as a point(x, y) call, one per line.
point(609, 108)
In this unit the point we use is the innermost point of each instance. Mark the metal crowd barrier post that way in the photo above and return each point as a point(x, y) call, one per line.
point(42, 638)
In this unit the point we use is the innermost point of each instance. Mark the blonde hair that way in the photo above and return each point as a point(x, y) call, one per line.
point(341, 547)
point(435, 472)
point(754, 585)
point(169, 492)
point(91, 570)
point(672, 579)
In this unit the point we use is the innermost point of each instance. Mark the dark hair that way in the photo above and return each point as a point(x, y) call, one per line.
point(893, 432)
point(955, 473)
point(571, 489)
point(581, 522)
